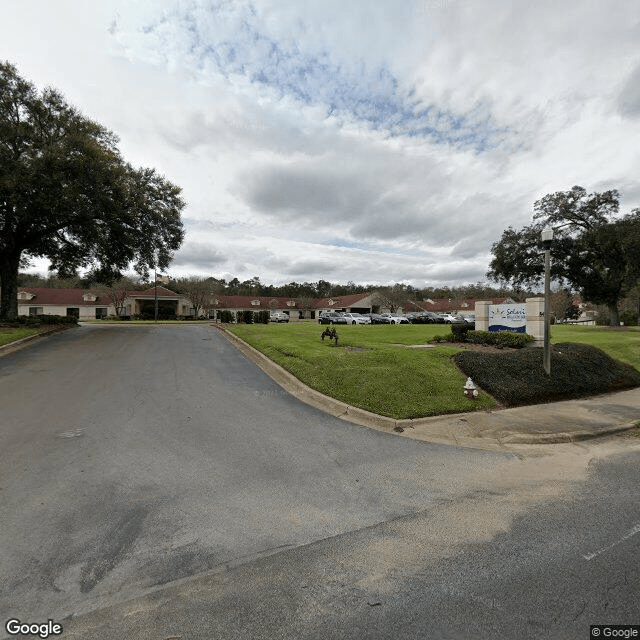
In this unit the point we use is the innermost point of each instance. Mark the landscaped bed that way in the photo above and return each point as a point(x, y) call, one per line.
point(381, 369)
point(517, 378)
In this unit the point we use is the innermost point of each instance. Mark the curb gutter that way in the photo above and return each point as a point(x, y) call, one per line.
point(24, 342)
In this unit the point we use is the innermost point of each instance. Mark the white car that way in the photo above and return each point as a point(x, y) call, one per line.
point(395, 319)
point(451, 319)
point(355, 318)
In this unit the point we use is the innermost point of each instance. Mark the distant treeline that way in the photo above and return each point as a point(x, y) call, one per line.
point(319, 289)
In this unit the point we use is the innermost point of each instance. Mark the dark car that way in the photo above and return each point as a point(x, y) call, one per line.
point(426, 317)
point(331, 317)
point(377, 318)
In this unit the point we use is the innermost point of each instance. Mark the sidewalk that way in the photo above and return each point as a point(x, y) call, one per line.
point(556, 422)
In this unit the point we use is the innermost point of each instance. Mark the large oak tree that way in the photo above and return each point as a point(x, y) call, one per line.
point(595, 252)
point(66, 194)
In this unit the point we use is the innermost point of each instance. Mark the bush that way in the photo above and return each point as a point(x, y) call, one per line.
point(629, 318)
point(246, 316)
point(518, 378)
point(512, 340)
point(36, 321)
point(261, 317)
point(499, 339)
point(460, 331)
point(225, 316)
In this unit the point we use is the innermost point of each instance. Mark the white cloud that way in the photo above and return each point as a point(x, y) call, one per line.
point(366, 141)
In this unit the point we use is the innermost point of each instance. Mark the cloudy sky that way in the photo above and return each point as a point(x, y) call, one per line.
point(368, 140)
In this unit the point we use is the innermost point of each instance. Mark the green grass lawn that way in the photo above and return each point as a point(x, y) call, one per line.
point(10, 334)
point(621, 344)
point(372, 367)
point(375, 368)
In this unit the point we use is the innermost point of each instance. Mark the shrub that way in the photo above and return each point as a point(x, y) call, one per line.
point(629, 318)
point(36, 321)
point(499, 338)
point(261, 317)
point(225, 316)
point(518, 378)
point(512, 340)
point(460, 331)
point(246, 316)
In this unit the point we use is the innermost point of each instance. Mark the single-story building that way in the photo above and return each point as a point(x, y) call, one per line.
point(91, 304)
point(296, 308)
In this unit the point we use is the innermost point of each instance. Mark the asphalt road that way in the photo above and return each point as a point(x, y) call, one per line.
point(156, 484)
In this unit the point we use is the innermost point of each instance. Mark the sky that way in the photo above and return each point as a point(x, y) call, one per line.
point(371, 141)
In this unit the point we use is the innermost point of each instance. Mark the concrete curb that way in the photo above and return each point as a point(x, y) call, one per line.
point(24, 342)
point(308, 395)
point(407, 428)
point(563, 438)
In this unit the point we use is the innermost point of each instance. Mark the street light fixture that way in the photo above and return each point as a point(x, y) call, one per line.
point(547, 238)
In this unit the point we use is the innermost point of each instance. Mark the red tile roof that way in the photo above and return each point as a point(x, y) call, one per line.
point(74, 297)
point(163, 292)
point(60, 297)
point(265, 302)
point(340, 301)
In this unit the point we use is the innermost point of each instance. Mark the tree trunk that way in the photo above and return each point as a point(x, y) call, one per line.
point(614, 317)
point(9, 286)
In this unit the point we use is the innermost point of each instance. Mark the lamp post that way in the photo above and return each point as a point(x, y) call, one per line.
point(547, 237)
point(155, 295)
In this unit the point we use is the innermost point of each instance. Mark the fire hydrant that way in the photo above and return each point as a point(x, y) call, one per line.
point(470, 389)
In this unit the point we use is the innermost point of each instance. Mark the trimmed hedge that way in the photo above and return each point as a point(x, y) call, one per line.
point(500, 339)
point(36, 321)
point(517, 377)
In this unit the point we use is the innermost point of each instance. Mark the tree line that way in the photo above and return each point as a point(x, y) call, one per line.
point(254, 287)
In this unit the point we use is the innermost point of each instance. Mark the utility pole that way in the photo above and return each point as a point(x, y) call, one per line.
point(547, 237)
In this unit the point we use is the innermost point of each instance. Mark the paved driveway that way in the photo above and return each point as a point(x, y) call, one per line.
point(156, 484)
point(134, 456)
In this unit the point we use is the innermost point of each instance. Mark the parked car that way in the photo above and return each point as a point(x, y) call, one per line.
point(278, 316)
point(395, 319)
point(470, 320)
point(376, 318)
point(330, 317)
point(426, 317)
point(451, 319)
point(355, 318)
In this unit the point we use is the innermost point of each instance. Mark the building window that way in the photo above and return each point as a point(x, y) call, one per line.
point(35, 311)
point(73, 311)
point(101, 313)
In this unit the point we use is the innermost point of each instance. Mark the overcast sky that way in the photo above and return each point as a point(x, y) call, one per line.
point(377, 141)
